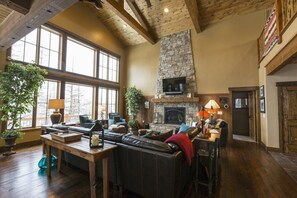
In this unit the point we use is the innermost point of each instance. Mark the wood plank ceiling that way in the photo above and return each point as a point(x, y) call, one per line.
point(159, 23)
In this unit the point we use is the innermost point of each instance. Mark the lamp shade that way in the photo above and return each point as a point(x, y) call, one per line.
point(56, 103)
point(212, 104)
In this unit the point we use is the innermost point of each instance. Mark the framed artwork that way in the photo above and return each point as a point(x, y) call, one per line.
point(262, 91)
point(262, 105)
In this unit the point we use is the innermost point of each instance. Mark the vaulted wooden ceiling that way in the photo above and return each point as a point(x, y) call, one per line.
point(152, 22)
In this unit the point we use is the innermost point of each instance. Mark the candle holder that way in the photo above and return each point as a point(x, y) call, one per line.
point(95, 141)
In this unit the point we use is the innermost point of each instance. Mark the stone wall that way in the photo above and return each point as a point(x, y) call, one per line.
point(176, 60)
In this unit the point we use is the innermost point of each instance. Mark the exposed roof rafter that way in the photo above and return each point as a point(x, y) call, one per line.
point(119, 10)
point(20, 6)
point(194, 14)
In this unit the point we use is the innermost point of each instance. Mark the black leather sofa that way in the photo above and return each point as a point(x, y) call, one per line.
point(149, 168)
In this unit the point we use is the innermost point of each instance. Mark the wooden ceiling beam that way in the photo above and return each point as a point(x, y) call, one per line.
point(20, 6)
point(17, 25)
point(194, 14)
point(148, 3)
point(140, 17)
point(119, 10)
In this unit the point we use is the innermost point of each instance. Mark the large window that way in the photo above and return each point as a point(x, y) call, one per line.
point(25, 49)
point(108, 67)
point(80, 58)
point(78, 101)
point(44, 47)
point(50, 42)
point(49, 90)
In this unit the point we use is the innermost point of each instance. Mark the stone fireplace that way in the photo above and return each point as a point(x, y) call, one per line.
point(174, 115)
point(176, 60)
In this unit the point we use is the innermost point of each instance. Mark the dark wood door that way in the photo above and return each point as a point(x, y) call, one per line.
point(288, 103)
point(252, 114)
point(240, 113)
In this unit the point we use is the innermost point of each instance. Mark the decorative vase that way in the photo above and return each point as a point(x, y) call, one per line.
point(9, 143)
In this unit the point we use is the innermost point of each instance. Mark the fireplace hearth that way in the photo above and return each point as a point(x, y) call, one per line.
point(174, 115)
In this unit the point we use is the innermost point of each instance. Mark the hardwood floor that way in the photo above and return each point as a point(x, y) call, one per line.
point(246, 171)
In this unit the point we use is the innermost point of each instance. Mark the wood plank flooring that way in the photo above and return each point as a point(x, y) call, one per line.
point(246, 171)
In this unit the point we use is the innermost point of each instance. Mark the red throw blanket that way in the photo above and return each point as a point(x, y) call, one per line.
point(185, 144)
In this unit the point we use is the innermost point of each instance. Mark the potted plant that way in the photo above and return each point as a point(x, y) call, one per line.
point(18, 87)
point(133, 98)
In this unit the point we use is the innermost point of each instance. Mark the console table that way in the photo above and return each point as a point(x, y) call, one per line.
point(82, 149)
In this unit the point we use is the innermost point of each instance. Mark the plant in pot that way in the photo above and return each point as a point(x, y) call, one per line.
point(18, 87)
point(133, 98)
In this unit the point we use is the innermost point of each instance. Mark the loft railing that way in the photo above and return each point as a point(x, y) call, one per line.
point(282, 15)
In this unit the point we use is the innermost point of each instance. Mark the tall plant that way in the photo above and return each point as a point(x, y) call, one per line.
point(18, 87)
point(133, 98)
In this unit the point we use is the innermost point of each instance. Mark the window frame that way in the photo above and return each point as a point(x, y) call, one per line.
point(68, 77)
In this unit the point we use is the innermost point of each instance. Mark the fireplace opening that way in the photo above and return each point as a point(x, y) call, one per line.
point(174, 115)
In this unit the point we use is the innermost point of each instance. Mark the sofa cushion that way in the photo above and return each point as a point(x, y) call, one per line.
point(161, 136)
point(117, 119)
point(111, 136)
point(85, 131)
point(119, 129)
point(146, 143)
point(192, 132)
point(183, 128)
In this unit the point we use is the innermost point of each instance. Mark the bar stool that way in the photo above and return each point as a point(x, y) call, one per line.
point(207, 156)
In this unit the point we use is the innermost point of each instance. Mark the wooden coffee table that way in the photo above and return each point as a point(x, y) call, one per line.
point(81, 149)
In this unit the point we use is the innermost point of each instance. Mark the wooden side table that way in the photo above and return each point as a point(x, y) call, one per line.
point(207, 158)
point(82, 149)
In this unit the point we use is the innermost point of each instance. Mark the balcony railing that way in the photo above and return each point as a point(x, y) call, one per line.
point(282, 15)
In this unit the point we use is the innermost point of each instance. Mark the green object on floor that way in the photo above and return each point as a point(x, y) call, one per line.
point(42, 162)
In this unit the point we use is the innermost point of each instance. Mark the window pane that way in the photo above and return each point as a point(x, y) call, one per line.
point(25, 48)
point(26, 119)
point(47, 91)
point(31, 37)
point(54, 59)
point(102, 103)
point(78, 101)
point(112, 101)
point(30, 53)
point(17, 51)
point(50, 48)
point(80, 58)
point(45, 38)
point(103, 66)
point(44, 57)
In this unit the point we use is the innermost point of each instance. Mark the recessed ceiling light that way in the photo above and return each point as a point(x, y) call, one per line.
point(124, 26)
point(166, 10)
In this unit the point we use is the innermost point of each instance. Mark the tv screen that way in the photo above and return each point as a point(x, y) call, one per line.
point(174, 86)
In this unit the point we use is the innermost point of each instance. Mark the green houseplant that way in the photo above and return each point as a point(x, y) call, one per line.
point(133, 98)
point(18, 87)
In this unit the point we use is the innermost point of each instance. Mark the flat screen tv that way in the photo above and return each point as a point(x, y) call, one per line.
point(174, 86)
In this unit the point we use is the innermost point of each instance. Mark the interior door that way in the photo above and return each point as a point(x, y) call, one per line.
point(289, 118)
point(252, 114)
point(240, 113)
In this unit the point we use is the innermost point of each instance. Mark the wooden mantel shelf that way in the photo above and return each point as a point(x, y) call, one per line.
point(176, 100)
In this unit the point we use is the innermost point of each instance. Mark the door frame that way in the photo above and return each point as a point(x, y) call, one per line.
point(280, 112)
point(255, 92)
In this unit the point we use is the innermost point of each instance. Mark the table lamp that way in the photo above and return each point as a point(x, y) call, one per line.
point(56, 104)
point(212, 107)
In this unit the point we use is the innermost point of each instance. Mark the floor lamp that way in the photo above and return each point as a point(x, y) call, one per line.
point(56, 104)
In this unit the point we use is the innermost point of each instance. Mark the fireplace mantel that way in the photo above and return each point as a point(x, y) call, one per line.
point(176, 100)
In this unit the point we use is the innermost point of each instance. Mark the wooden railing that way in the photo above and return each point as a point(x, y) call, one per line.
point(286, 12)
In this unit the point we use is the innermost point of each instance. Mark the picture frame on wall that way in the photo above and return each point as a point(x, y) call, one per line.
point(262, 105)
point(262, 91)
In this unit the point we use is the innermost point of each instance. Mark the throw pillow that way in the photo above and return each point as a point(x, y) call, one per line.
point(119, 129)
point(183, 128)
point(116, 119)
point(161, 137)
point(141, 131)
